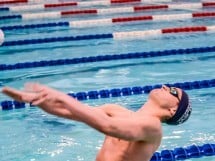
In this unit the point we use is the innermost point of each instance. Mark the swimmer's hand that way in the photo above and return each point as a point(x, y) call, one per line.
point(18, 95)
point(34, 93)
point(48, 99)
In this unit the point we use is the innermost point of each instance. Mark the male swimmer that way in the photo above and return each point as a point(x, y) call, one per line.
point(130, 136)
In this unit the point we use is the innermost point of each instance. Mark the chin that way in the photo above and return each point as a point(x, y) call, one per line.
point(157, 97)
point(154, 91)
point(154, 94)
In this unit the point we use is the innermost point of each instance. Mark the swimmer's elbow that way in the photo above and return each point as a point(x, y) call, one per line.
point(104, 125)
point(101, 122)
point(107, 128)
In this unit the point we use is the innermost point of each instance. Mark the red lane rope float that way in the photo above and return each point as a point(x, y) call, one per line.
point(60, 4)
point(152, 7)
point(13, 1)
point(127, 19)
point(203, 14)
point(185, 29)
point(89, 11)
point(124, 1)
point(208, 4)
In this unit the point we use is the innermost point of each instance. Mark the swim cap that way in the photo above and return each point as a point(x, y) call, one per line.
point(183, 112)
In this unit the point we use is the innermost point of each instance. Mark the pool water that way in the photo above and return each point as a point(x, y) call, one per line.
point(30, 134)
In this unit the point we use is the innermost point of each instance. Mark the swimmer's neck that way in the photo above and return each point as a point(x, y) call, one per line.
point(150, 109)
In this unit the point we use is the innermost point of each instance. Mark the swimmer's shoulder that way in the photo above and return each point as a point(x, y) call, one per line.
point(151, 127)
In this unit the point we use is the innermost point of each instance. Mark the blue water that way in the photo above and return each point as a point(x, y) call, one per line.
point(31, 135)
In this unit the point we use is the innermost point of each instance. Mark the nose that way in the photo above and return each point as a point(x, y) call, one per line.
point(164, 87)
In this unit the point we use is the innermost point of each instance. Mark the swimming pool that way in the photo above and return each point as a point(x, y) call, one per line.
point(31, 135)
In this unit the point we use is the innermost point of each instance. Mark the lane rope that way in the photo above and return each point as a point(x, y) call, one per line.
point(104, 11)
point(110, 21)
point(119, 92)
point(37, 7)
point(14, 2)
point(100, 58)
point(128, 35)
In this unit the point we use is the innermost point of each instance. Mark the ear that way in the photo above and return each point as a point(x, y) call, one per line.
point(172, 110)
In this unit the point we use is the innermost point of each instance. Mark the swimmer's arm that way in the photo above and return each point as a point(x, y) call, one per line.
point(121, 127)
point(127, 128)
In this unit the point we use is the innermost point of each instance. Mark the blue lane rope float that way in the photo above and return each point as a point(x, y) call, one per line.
point(119, 92)
point(57, 39)
point(9, 17)
point(33, 26)
point(180, 153)
point(136, 55)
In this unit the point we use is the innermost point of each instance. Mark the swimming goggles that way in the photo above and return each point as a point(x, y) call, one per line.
point(173, 91)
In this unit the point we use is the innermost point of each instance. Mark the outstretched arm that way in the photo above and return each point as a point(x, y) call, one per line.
point(60, 104)
point(30, 95)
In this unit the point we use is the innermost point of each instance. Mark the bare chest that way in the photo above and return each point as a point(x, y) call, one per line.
point(121, 150)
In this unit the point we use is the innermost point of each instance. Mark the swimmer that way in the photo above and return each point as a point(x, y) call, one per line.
point(129, 135)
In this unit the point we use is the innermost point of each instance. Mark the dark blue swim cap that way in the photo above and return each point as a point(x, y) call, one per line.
point(183, 112)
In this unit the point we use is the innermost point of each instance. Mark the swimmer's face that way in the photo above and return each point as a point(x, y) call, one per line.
point(166, 97)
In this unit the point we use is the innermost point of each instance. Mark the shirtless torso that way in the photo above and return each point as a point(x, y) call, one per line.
point(114, 149)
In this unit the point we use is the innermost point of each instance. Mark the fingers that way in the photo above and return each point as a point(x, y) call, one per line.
point(20, 96)
point(36, 94)
point(40, 98)
point(7, 90)
point(11, 92)
point(39, 101)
